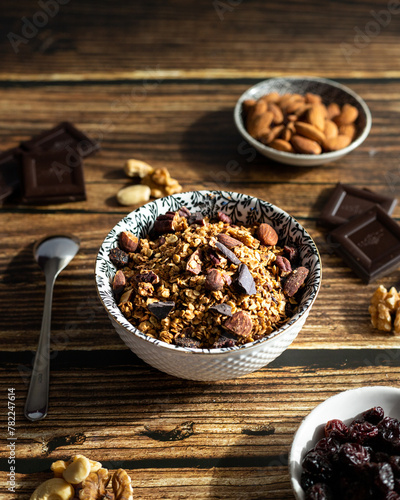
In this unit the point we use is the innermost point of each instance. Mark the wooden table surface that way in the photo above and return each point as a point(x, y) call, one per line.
point(158, 81)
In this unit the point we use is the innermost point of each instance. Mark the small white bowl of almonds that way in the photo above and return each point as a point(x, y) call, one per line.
point(302, 121)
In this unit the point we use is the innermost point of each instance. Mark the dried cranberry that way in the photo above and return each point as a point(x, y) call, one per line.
point(327, 446)
point(373, 415)
point(353, 454)
point(319, 491)
point(384, 479)
point(388, 438)
point(395, 464)
point(317, 464)
point(307, 480)
point(361, 432)
point(336, 429)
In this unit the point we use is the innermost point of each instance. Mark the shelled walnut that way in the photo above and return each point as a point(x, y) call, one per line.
point(84, 479)
point(385, 309)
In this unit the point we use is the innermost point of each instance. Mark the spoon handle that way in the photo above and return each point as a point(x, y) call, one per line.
point(37, 401)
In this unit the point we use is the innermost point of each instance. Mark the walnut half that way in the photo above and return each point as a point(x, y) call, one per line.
point(121, 483)
point(94, 486)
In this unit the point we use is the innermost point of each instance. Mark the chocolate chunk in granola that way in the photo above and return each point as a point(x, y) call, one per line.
point(294, 281)
point(214, 280)
point(184, 212)
point(240, 324)
point(161, 309)
point(244, 281)
point(224, 309)
point(225, 252)
point(194, 263)
point(119, 282)
point(225, 341)
point(196, 218)
point(291, 253)
point(224, 218)
point(228, 241)
point(185, 338)
point(283, 264)
point(147, 277)
point(118, 257)
point(128, 241)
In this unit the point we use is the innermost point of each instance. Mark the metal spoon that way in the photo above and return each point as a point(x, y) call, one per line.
point(52, 253)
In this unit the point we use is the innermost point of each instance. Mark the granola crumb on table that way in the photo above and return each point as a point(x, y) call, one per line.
point(200, 283)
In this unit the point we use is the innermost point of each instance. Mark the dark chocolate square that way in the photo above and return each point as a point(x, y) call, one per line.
point(52, 177)
point(63, 136)
point(347, 202)
point(369, 244)
point(10, 172)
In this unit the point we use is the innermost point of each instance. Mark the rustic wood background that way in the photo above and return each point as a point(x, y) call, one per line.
point(158, 80)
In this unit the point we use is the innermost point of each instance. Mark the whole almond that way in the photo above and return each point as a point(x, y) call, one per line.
point(267, 234)
point(286, 134)
point(349, 129)
point(260, 125)
point(305, 146)
point(333, 110)
point(336, 143)
point(290, 126)
point(248, 104)
point(309, 131)
point(271, 97)
point(294, 105)
point(316, 116)
point(292, 118)
point(273, 134)
point(331, 129)
point(134, 195)
point(276, 111)
point(281, 145)
point(347, 115)
point(313, 98)
point(284, 99)
point(128, 241)
point(302, 110)
point(259, 108)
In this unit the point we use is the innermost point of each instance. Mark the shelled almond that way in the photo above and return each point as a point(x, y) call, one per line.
point(296, 123)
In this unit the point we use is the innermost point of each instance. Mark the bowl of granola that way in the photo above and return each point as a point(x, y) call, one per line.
point(208, 285)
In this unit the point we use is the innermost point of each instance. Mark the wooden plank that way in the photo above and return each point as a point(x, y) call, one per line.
point(81, 42)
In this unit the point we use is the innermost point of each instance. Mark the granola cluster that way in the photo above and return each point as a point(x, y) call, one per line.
point(207, 284)
point(385, 309)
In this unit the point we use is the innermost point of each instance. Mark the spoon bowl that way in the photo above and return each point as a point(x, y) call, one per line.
point(53, 253)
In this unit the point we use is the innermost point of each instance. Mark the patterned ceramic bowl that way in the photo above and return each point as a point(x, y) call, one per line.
point(222, 363)
point(344, 406)
point(330, 91)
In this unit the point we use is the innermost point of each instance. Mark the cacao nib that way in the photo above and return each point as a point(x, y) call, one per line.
point(161, 309)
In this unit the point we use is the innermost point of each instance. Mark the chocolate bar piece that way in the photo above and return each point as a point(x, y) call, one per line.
point(348, 201)
point(369, 244)
point(10, 172)
point(52, 177)
point(63, 136)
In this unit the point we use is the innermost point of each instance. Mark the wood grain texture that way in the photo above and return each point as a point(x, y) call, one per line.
point(158, 81)
point(206, 39)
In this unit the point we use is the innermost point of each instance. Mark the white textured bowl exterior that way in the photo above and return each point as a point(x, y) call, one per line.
point(222, 363)
point(202, 366)
point(330, 91)
point(343, 406)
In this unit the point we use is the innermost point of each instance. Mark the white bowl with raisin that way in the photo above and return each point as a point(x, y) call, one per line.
point(203, 292)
